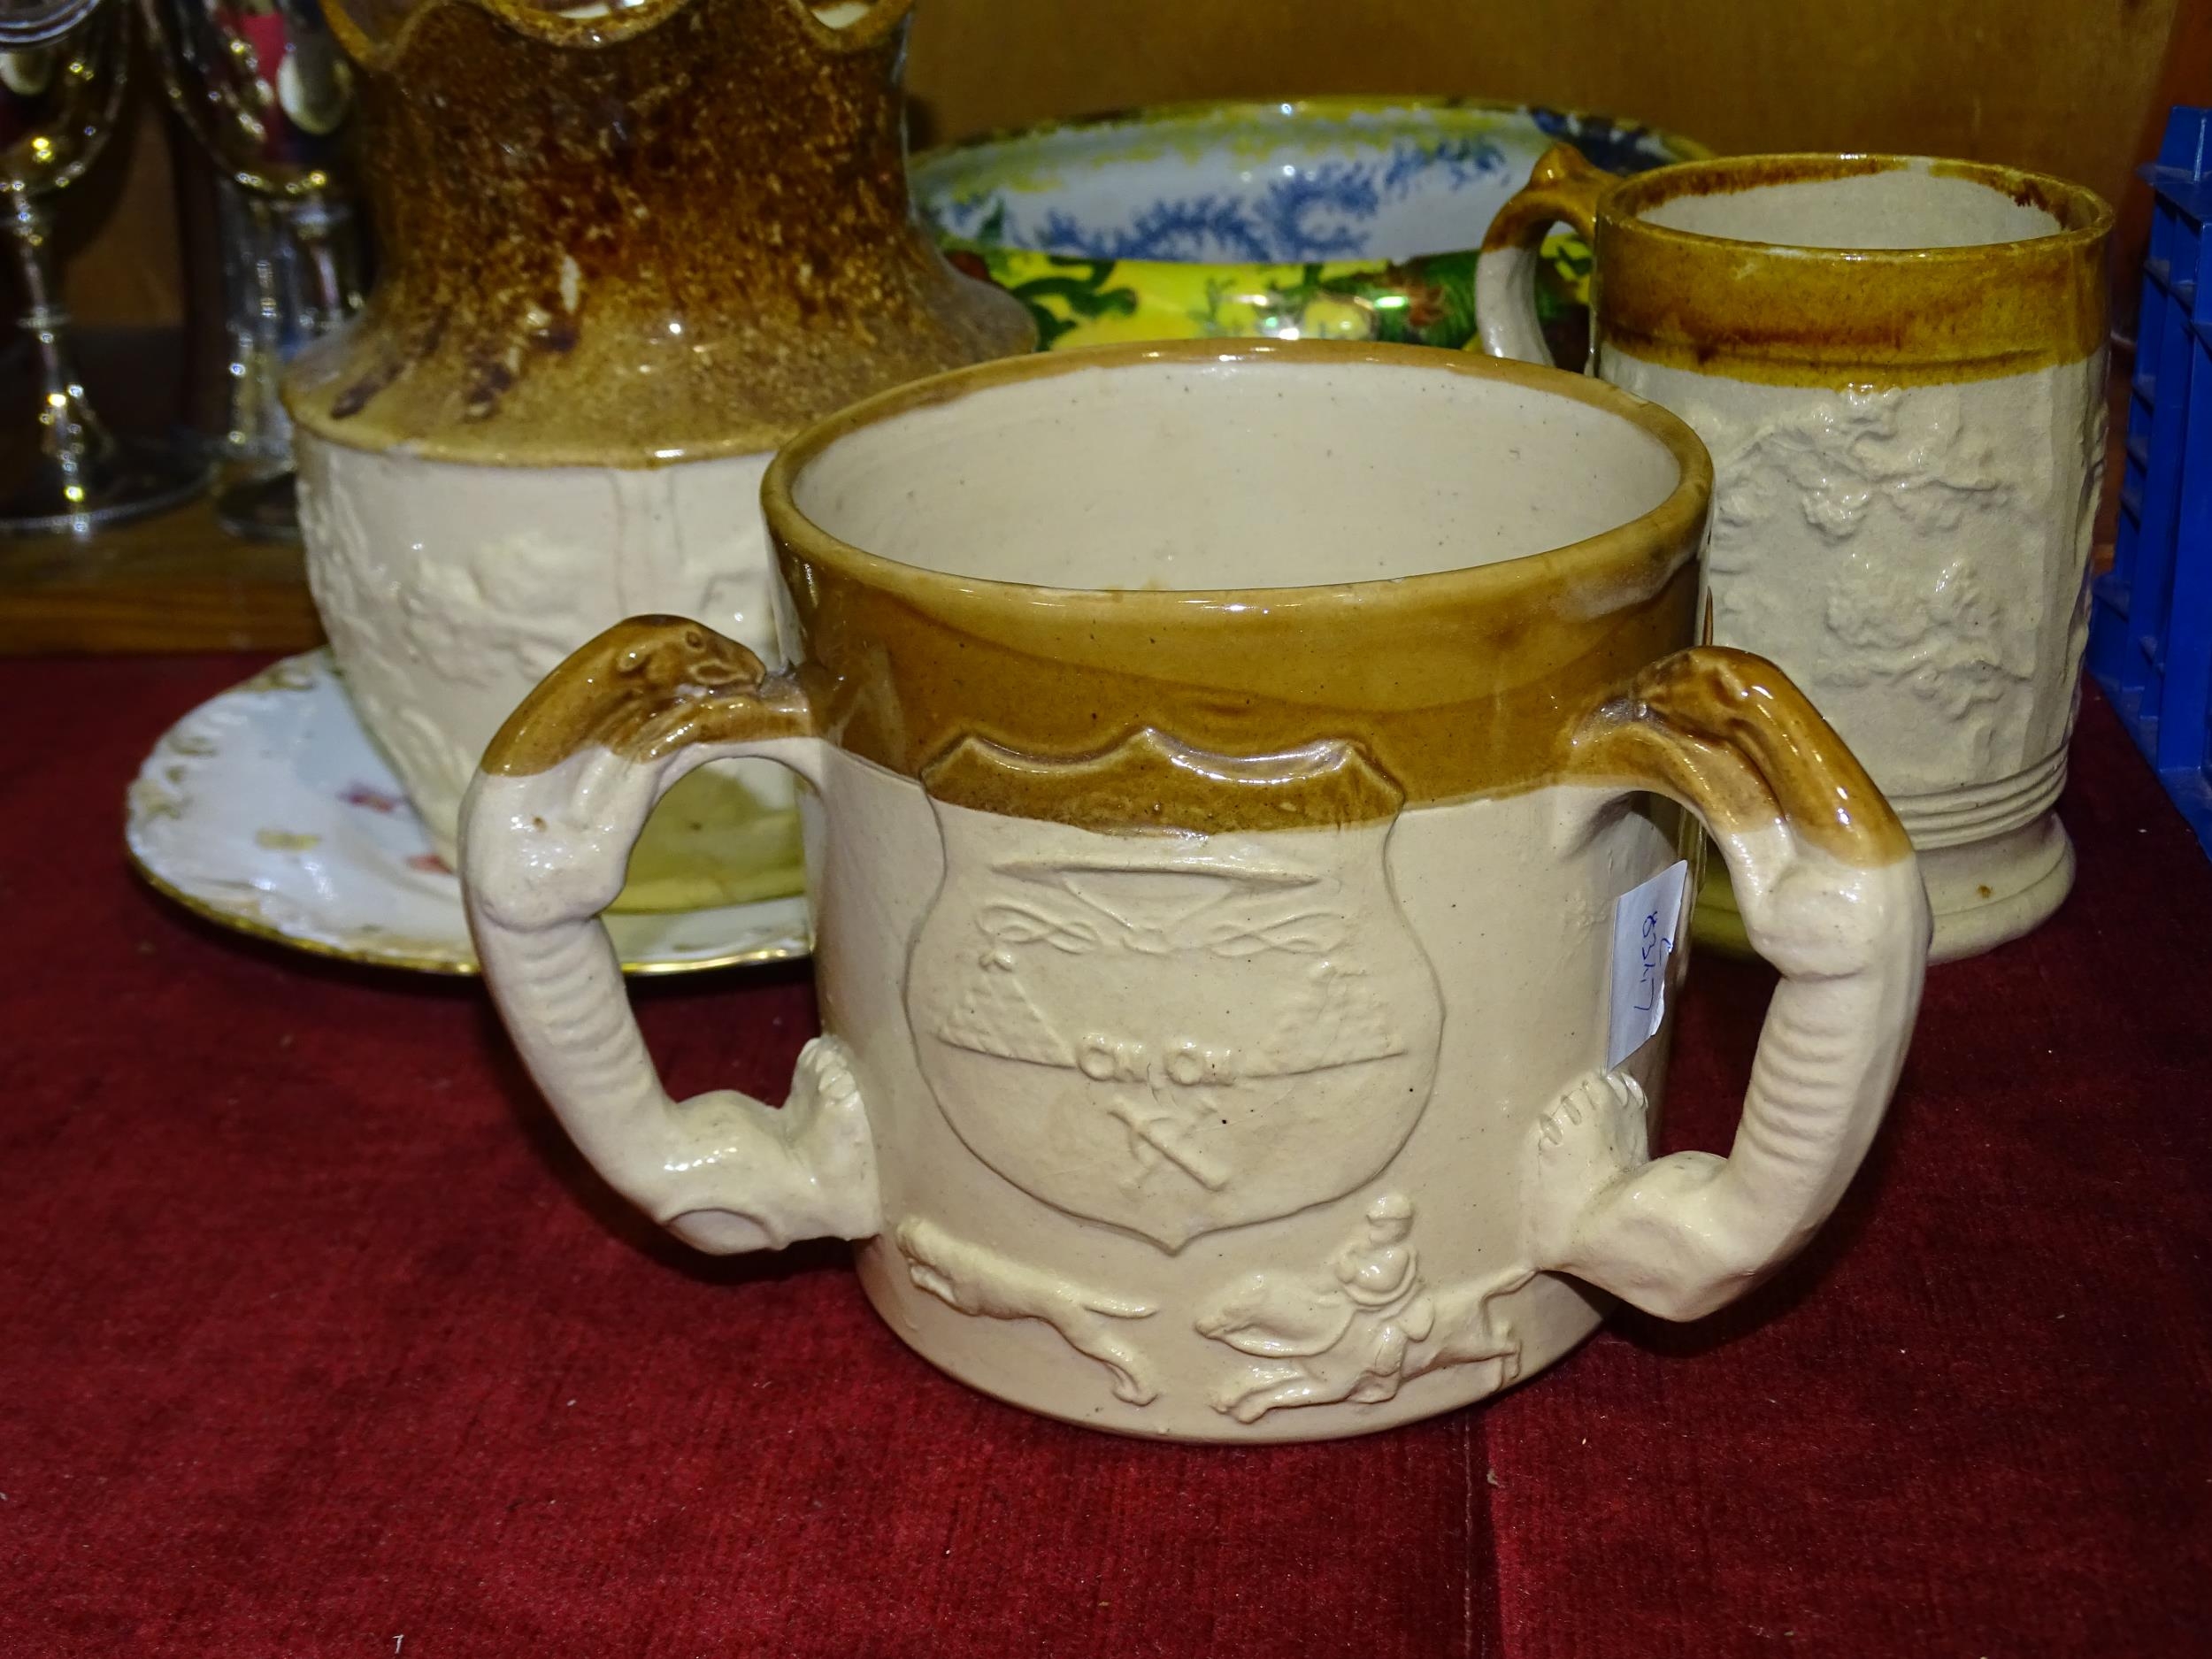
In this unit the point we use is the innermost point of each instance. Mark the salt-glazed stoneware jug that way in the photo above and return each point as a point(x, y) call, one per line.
point(1898, 365)
point(1236, 776)
point(624, 253)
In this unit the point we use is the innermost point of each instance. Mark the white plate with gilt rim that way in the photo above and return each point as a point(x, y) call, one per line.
point(268, 811)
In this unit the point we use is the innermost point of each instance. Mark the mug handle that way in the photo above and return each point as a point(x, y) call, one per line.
point(1563, 185)
point(1831, 895)
point(547, 828)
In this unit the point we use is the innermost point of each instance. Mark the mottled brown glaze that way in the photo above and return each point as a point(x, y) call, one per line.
point(1151, 782)
point(1727, 732)
point(1563, 186)
point(644, 688)
point(680, 231)
point(1833, 316)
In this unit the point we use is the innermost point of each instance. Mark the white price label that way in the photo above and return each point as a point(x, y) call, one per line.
point(1646, 923)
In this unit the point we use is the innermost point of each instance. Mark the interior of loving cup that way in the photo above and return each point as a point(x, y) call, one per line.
point(1909, 205)
point(1233, 470)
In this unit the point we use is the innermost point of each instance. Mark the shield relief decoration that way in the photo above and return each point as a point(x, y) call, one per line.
point(1168, 1030)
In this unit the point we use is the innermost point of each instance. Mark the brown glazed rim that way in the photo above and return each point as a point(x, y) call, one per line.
point(1209, 709)
point(1671, 520)
point(621, 23)
point(1807, 314)
point(2083, 214)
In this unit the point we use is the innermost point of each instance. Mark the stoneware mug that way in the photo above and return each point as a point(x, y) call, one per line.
point(1898, 365)
point(1224, 764)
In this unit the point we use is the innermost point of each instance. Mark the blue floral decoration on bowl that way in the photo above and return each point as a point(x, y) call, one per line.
point(1348, 217)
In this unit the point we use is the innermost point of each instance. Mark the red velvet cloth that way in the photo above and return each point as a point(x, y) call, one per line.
point(317, 1339)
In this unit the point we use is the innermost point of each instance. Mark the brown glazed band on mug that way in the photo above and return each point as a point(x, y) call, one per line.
point(1081, 854)
point(1807, 315)
point(902, 664)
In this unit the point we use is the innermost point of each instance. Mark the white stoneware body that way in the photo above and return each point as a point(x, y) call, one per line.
point(1212, 1138)
point(448, 589)
point(1916, 558)
point(1476, 1011)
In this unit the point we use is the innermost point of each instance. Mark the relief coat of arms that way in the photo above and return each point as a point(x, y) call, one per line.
point(1168, 1031)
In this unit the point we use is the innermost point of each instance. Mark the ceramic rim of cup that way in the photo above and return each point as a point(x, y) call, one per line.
point(1668, 522)
point(1834, 315)
point(1445, 644)
point(2082, 214)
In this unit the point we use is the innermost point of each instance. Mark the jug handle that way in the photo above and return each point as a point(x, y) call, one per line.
point(546, 827)
point(1831, 895)
point(1563, 186)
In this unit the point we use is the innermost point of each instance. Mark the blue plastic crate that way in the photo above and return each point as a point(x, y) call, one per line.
point(2150, 632)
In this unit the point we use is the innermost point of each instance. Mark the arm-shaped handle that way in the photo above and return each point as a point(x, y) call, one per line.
point(1831, 895)
point(546, 833)
point(1562, 186)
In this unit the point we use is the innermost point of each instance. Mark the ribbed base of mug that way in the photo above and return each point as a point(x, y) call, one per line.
point(1983, 892)
point(1982, 814)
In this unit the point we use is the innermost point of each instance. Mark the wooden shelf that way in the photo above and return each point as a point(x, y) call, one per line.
point(175, 582)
